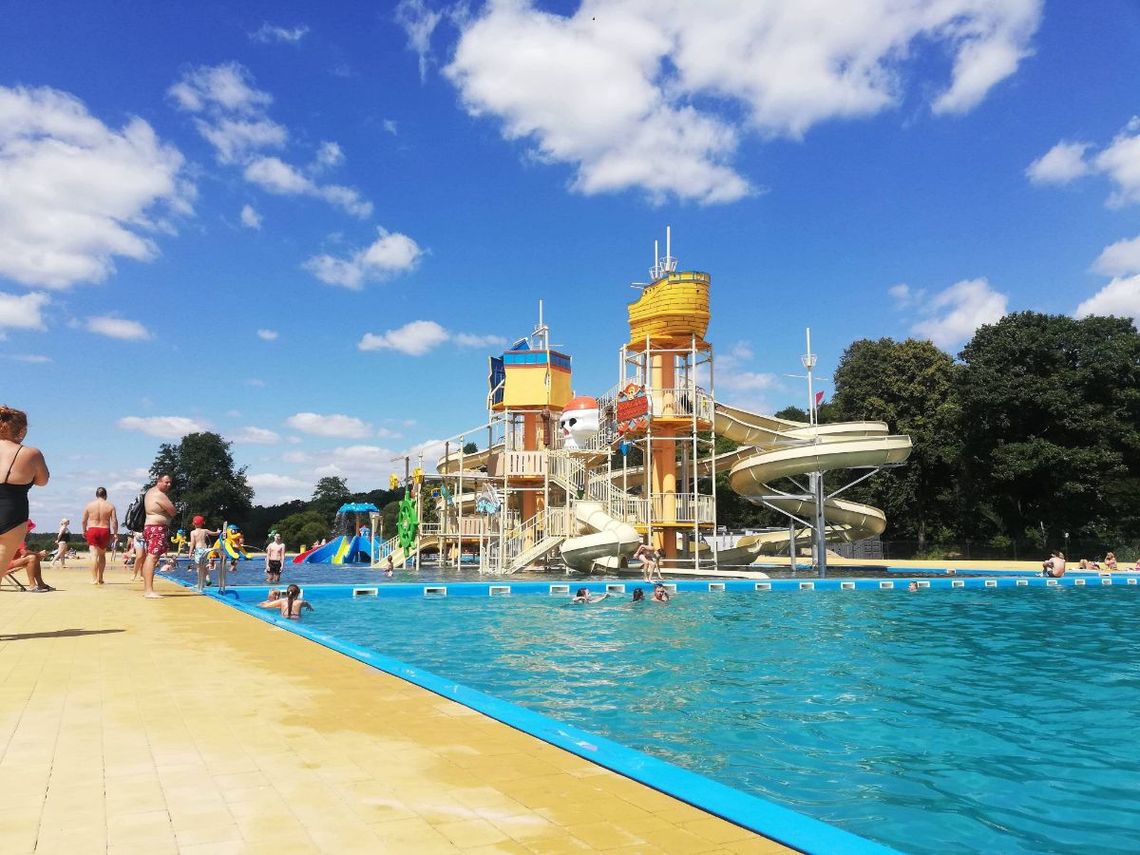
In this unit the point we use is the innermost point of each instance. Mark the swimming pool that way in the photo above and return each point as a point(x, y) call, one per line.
point(973, 718)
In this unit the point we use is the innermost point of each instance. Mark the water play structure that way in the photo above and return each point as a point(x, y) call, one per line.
point(581, 480)
point(353, 545)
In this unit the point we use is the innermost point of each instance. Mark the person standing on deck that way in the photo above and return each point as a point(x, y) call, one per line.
point(100, 519)
point(159, 512)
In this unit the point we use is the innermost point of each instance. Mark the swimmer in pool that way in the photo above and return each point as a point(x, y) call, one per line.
point(583, 596)
point(292, 605)
point(272, 600)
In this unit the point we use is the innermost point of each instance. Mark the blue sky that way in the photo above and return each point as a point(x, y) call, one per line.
point(306, 227)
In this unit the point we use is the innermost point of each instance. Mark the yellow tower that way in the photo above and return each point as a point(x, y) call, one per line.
point(530, 386)
point(662, 407)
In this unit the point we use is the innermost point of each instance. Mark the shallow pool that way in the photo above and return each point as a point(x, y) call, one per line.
point(972, 720)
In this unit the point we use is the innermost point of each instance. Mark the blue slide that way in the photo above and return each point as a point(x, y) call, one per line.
point(359, 551)
point(324, 554)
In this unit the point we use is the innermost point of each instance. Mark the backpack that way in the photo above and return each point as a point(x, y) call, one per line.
point(135, 517)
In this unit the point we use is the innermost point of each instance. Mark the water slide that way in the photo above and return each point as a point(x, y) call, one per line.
point(339, 550)
point(772, 449)
point(603, 539)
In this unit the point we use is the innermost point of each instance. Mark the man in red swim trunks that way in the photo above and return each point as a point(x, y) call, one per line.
point(99, 519)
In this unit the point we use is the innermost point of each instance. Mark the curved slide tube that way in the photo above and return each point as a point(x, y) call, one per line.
point(773, 448)
point(606, 541)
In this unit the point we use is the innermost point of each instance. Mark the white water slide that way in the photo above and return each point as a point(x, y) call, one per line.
point(772, 449)
point(603, 540)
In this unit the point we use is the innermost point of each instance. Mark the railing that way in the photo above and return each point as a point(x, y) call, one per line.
point(568, 472)
point(678, 402)
point(472, 525)
point(517, 464)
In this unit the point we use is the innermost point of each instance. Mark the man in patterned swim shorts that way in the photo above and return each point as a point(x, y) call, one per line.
point(159, 512)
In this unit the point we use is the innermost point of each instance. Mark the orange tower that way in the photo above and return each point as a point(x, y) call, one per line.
point(664, 410)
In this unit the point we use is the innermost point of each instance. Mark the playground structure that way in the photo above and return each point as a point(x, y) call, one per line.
point(353, 545)
point(582, 482)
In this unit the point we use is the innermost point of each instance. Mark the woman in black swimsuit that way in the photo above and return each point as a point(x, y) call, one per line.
point(61, 543)
point(23, 468)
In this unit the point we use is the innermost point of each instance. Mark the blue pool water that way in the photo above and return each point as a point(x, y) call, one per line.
point(1002, 720)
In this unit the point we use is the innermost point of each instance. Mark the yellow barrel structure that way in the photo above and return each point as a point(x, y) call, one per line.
point(671, 311)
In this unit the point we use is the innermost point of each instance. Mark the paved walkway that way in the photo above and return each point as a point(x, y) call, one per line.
point(179, 725)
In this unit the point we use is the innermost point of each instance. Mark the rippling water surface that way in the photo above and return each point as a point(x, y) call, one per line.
point(998, 720)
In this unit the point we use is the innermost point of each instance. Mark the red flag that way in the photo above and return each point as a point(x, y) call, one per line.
point(818, 398)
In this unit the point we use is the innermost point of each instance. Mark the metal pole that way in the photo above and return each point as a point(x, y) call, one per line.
point(419, 511)
point(820, 525)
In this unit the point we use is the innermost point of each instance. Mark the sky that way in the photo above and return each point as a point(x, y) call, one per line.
point(306, 226)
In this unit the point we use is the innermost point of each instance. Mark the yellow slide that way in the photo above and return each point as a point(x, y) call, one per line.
point(773, 448)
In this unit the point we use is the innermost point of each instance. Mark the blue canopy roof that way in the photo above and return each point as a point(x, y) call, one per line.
point(358, 508)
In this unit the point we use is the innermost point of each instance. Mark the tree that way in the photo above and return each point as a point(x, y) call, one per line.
point(910, 385)
point(305, 528)
point(470, 448)
point(792, 414)
point(205, 480)
point(388, 516)
point(330, 493)
point(1051, 424)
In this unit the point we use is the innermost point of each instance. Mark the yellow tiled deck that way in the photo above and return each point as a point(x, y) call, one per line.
point(179, 725)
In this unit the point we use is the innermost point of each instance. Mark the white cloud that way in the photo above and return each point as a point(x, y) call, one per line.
point(356, 460)
point(118, 328)
point(75, 194)
point(419, 22)
point(390, 126)
point(733, 375)
point(1063, 163)
point(163, 427)
point(31, 358)
point(250, 218)
point(269, 33)
point(389, 255)
point(235, 140)
point(329, 155)
point(959, 310)
point(991, 40)
point(415, 338)
point(271, 488)
point(230, 114)
point(256, 436)
point(1119, 259)
point(347, 427)
point(471, 340)
point(1121, 162)
point(639, 93)
point(746, 381)
point(227, 87)
point(275, 176)
point(24, 312)
point(267, 480)
point(267, 335)
point(257, 383)
point(1119, 297)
